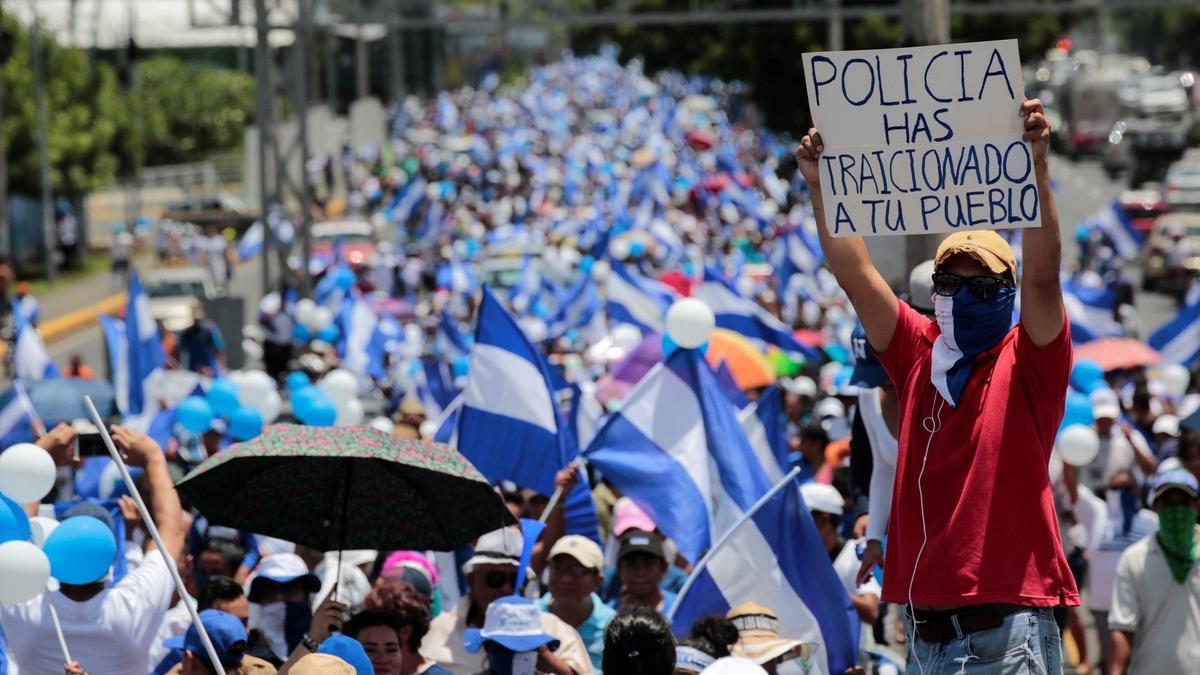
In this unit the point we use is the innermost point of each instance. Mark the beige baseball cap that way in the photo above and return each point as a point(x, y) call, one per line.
point(586, 551)
point(321, 664)
point(985, 246)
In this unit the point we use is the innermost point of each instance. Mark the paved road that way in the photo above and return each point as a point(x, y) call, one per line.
point(89, 343)
point(1083, 189)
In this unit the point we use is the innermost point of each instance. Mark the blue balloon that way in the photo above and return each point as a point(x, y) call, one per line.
point(245, 424)
point(303, 400)
point(1087, 376)
point(1078, 410)
point(637, 247)
point(301, 333)
point(80, 550)
point(321, 413)
point(14, 524)
point(195, 414)
point(461, 366)
point(668, 345)
point(586, 263)
point(297, 380)
point(222, 396)
point(329, 334)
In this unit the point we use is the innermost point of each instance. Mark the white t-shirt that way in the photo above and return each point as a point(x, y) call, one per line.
point(1163, 614)
point(846, 565)
point(111, 633)
point(1106, 541)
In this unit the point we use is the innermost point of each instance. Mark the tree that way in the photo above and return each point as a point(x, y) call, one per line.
point(82, 111)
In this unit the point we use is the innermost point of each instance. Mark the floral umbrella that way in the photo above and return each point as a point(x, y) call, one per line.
point(337, 488)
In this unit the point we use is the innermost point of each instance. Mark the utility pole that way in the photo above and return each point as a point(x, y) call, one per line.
point(5, 52)
point(262, 86)
point(39, 98)
point(301, 46)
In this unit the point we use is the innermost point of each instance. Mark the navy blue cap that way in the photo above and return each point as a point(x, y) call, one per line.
point(868, 371)
point(226, 631)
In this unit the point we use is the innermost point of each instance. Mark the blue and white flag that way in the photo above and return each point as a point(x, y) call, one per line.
point(1090, 311)
point(451, 342)
point(775, 557)
point(729, 386)
point(31, 359)
point(144, 353)
point(406, 201)
point(446, 424)
point(1118, 228)
point(364, 352)
point(796, 251)
point(510, 426)
point(1179, 339)
point(17, 417)
point(743, 316)
point(676, 448)
point(577, 307)
point(634, 299)
point(766, 430)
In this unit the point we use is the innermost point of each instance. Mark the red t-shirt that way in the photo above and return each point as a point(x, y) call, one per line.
point(989, 512)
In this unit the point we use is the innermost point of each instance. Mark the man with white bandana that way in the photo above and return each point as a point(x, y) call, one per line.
point(973, 549)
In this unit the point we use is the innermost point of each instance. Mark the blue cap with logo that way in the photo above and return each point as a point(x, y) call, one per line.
point(868, 371)
point(226, 631)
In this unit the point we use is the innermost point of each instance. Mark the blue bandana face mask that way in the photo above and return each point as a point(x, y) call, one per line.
point(970, 326)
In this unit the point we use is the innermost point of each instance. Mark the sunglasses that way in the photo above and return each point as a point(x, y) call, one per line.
point(496, 580)
point(984, 288)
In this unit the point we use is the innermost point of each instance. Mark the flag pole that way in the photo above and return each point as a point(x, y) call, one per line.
point(153, 529)
point(699, 567)
point(558, 492)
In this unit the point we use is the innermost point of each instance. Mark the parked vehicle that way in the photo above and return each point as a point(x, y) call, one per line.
point(220, 210)
point(173, 292)
point(355, 237)
point(1172, 254)
point(1143, 208)
point(1183, 184)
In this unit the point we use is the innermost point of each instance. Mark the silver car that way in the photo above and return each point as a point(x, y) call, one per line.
point(175, 292)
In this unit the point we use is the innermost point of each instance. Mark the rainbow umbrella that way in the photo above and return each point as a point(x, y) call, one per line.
point(746, 362)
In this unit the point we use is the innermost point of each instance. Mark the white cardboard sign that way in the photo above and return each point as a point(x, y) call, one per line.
point(922, 140)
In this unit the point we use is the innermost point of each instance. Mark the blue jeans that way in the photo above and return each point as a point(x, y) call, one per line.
point(1028, 642)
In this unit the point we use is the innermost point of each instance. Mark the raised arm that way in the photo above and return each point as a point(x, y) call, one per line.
point(1041, 291)
point(847, 257)
point(161, 498)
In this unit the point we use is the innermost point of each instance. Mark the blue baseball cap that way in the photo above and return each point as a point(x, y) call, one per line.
point(226, 631)
point(512, 622)
point(1173, 479)
point(348, 650)
point(868, 371)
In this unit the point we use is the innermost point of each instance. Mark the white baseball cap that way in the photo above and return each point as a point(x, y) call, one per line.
point(1106, 411)
point(830, 407)
point(801, 386)
point(498, 547)
point(822, 498)
point(1166, 424)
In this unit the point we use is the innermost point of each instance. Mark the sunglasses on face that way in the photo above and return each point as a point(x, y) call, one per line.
point(496, 580)
point(983, 287)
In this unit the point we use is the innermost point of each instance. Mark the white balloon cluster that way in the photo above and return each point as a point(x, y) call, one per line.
point(27, 474)
point(341, 387)
point(256, 390)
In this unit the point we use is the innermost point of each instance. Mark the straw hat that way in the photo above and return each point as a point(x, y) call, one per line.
point(758, 636)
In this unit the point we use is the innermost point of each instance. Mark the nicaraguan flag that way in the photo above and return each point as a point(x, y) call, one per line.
point(774, 556)
point(730, 387)
point(17, 416)
point(251, 243)
point(634, 299)
point(1179, 339)
point(577, 307)
point(510, 426)
point(446, 424)
point(451, 342)
point(361, 326)
point(1090, 311)
point(796, 251)
point(764, 425)
point(145, 352)
point(743, 316)
point(31, 360)
point(1118, 228)
point(676, 448)
point(406, 201)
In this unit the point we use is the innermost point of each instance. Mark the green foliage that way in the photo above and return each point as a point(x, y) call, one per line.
point(184, 113)
point(82, 105)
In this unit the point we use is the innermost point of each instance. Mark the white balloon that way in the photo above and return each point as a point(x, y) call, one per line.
point(428, 429)
point(24, 571)
point(26, 473)
point(254, 386)
point(322, 316)
point(339, 385)
point(1078, 444)
point(40, 527)
point(1175, 378)
point(270, 407)
point(349, 413)
point(305, 308)
point(600, 270)
point(690, 322)
point(382, 424)
point(619, 249)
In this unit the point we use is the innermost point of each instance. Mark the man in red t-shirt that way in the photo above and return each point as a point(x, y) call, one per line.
point(973, 546)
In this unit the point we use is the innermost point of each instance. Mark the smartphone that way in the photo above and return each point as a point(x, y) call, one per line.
point(90, 445)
